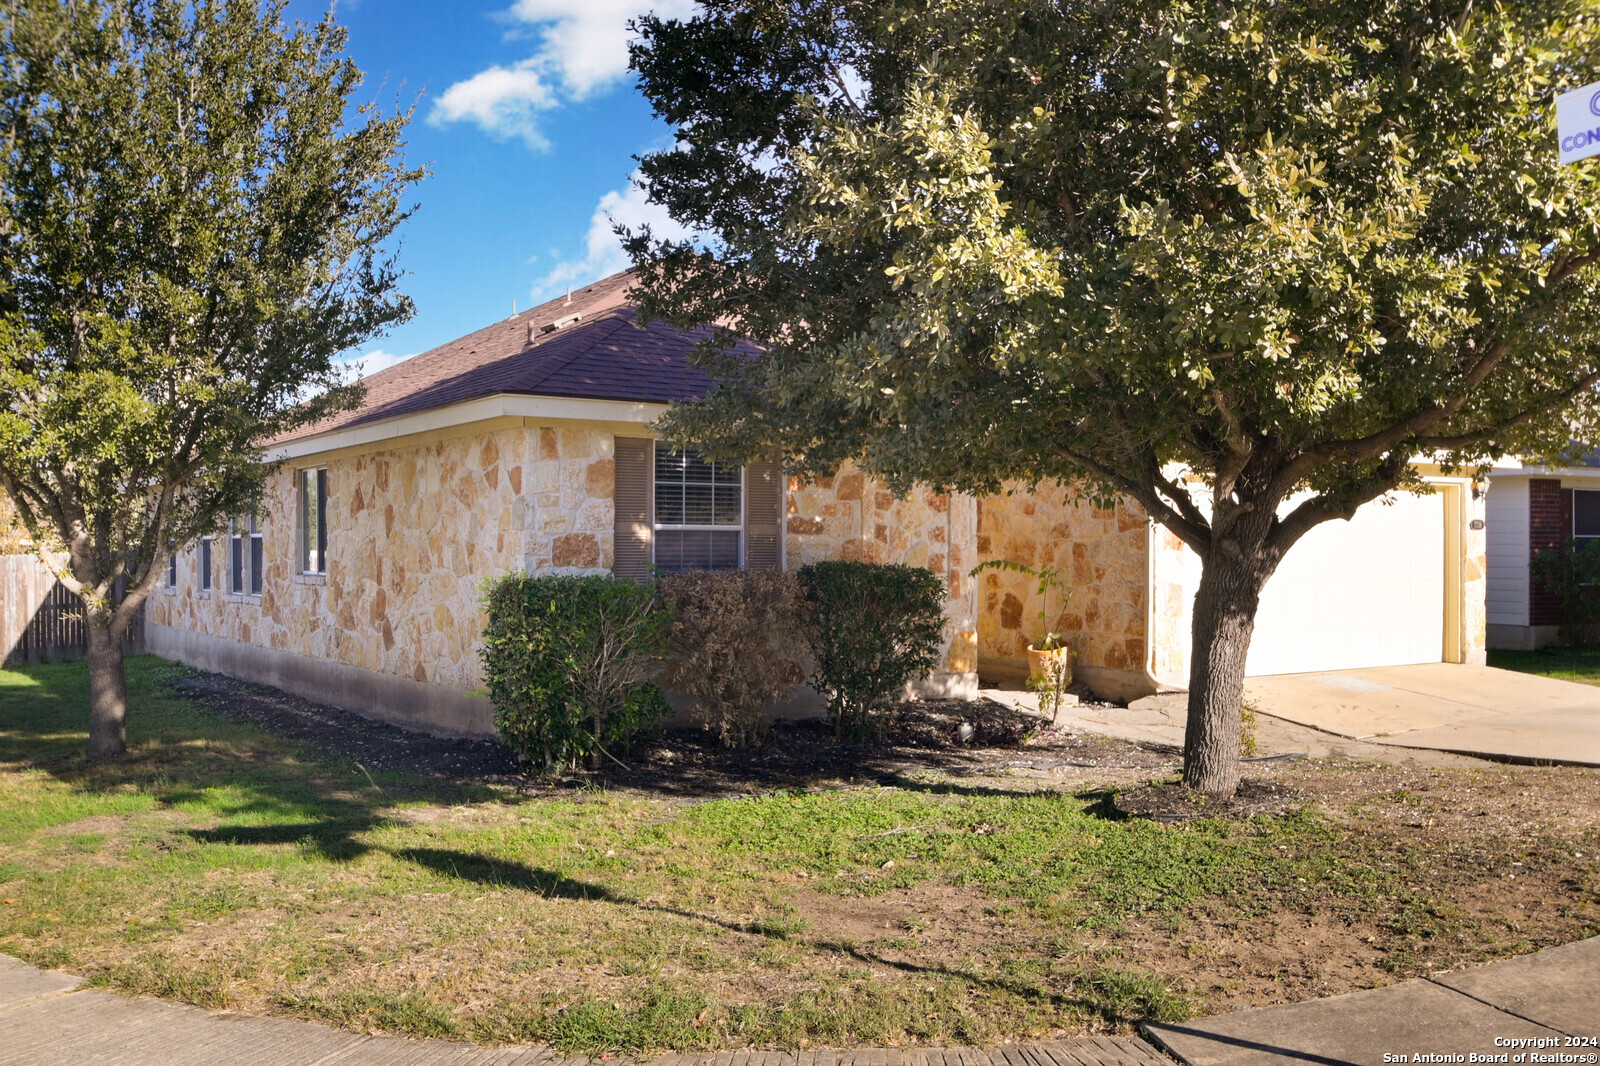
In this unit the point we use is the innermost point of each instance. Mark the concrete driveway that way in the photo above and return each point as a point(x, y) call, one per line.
point(1470, 710)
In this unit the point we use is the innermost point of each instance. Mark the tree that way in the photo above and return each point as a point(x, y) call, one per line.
point(193, 220)
point(13, 538)
point(1240, 261)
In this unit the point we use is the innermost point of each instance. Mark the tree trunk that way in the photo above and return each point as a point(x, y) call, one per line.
point(1224, 619)
point(108, 692)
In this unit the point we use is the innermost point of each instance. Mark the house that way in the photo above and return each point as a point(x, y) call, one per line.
point(528, 445)
point(1533, 509)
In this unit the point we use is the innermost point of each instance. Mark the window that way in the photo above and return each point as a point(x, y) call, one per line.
point(679, 512)
point(205, 564)
point(1586, 513)
point(699, 512)
point(257, 558)
point(246, 557)
point(172, 571)
point(314, 521)
point(236, 556)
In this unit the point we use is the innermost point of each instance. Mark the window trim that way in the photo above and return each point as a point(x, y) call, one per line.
point(170, 580)
point(740, 528)
point(203, 558)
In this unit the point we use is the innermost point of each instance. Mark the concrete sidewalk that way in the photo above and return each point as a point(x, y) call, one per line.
point(1469, 710)
point(46, 1020)
point(1541, 999)
point(1159, 720)
point(1549, 996)
point(1441, 713)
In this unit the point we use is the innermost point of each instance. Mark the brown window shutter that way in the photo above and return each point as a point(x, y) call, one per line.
point(763, 516)
point(631, 556)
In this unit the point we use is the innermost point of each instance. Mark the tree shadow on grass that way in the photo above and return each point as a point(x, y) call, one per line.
point(505, 873)
point(1102, 803)
point(499, 873)
point(333, 838)
point(263, 787)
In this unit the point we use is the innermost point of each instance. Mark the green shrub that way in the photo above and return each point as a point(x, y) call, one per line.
point(735, 647)
point(1571, 573)
point(568, 662)
point(873, 628)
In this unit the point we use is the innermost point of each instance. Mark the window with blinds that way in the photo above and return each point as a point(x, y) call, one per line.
point(698, 514)
point(679, 511)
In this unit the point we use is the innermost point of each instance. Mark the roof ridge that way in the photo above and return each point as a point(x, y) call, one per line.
point(566, 300)
point(472, 340)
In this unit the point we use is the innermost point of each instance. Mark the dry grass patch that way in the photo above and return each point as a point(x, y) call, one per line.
point(966, 902)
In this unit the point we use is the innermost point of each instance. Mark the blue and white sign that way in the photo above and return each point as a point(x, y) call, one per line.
point(1578, 123)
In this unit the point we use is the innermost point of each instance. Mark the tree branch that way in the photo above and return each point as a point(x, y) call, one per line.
point(1376, 444)
point(1323, 508)
point(1516, 421)
point(1196, 535)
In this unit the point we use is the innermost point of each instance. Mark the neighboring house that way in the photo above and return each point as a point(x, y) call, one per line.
point(1532, 509)
point(528, 445)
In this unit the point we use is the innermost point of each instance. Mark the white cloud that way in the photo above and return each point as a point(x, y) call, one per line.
point(603, 254)
point(370, 363)
point(582, 48)
point(502, 101)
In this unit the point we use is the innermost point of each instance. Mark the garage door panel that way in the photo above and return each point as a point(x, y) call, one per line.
point(1368, 592)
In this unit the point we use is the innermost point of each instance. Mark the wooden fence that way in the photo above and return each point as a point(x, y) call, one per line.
point(41, 620)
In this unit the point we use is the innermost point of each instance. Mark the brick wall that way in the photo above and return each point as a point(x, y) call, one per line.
point(1549, 525)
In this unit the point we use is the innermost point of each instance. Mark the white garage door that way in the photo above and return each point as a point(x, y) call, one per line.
point(1368, 592)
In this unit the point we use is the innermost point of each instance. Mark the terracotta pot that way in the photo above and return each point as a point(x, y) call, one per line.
point(1040, 664)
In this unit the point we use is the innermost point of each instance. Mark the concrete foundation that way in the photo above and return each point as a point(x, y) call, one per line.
point(400, 701)
point(1522, 638)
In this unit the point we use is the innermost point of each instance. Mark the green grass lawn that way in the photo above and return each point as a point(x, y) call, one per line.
point(1565, 664)
point(223, 866)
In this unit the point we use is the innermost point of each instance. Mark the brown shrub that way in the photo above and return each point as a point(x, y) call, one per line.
point(735, 647)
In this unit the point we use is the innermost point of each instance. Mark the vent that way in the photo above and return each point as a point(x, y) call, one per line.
point(560, 323)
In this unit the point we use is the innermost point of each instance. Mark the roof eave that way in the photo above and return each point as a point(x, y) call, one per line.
point(527, 406)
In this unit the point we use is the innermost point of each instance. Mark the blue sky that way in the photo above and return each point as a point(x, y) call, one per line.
point(529, 120)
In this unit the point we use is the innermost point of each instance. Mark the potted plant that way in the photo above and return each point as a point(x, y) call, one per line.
point(1049, 657)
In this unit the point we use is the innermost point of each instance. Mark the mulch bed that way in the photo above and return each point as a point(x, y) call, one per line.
point(1176, 802)
point(957, 737)
point(338, 734)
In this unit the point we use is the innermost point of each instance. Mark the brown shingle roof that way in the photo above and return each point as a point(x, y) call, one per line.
point(608, 354)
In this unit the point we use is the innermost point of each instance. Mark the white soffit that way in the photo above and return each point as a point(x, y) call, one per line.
point(1565, 473)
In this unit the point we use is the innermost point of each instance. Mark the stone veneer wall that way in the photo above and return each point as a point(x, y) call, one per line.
point(411, 532)
point(1101, 552)
point(850, 516)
